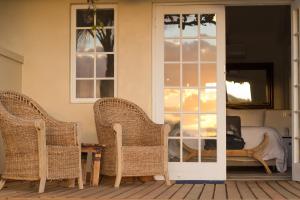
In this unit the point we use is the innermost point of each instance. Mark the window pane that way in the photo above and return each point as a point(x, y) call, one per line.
point(104, 88)
point(190, 75)
point(208, 150)
point(84, 18)
point(172, 50)
point(208, 102)
point(190, 149)
point(84, 66)
point(208, 25)
point(105, 17)
point(190, 125)
point(172, 100)
point(174, 150)
point(174, 121)
point(85, 40)
point(84, 88)
point(190, 49)
point(105, 40)
point(105, 65)
point(208, 50)
point(208, 125)
point(171, 27)
point(189, 25)
point(190, 100)
point(172, 75)
point(208, 75)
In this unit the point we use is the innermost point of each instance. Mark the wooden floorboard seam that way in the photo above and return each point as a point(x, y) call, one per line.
point(251, 190)
point(258, 185)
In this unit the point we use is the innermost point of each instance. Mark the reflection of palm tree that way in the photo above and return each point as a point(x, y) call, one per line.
point(105, 36)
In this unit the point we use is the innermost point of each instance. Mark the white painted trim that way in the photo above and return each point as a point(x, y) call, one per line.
point(11, 55)
point(74, 7)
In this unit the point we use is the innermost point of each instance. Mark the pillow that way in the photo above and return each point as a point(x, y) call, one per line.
point(233, 125)
point(249, 117)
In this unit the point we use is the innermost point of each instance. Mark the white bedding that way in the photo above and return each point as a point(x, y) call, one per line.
point(274, 150)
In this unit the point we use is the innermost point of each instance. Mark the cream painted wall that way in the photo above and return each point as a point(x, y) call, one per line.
point(40, 30)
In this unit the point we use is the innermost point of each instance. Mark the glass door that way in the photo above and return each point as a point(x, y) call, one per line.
point(189, 88)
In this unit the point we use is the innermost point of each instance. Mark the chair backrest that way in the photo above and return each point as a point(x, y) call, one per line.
point(21, 106)
point(115, 110)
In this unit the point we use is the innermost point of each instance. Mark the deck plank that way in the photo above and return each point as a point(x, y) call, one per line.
point(120, 190)
point(295, 184)
point(169, 192)
point(281, 190)
point(220, 192)
point(195, 192)
point(125, 195)
point(208, 191)
point(147, 190)
point(156, 192)
point(244, 190)
point(232, 190)
point(289, 188)
point(270, 191)
point(258, 192)
point(182, 192)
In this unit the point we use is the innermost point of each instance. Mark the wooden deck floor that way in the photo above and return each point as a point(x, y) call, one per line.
point(158, 190)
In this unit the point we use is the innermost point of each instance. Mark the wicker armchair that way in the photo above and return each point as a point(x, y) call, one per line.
point(135, 146)
point(37, 147)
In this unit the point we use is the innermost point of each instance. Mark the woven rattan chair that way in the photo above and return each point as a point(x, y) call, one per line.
point(37, 147)
point(135, 146)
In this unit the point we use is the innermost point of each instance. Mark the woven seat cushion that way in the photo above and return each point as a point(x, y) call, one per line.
point(142, 160)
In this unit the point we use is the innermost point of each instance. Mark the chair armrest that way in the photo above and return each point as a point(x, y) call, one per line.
point(156, 134)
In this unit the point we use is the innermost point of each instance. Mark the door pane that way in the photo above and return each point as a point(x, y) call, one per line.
point(172, 25)
point(208, 102)
point(190, 100)
point(208, 75)
point(189, 25)
point(172, 50)
point(174, 150)
point(84, 18)
point(208, 150)
point(174, 121)
point(190, 125)
point(190, 75)
point(208, 25)
point(172, 100)
point(190, 150)
point(208, 125)
point(208, 51)
point(172, 75)
point(104, 88)
point(104, 17)
point(105, 65)
point(190, 49)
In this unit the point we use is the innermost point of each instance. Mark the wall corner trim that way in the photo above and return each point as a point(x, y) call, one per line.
point(11, 55)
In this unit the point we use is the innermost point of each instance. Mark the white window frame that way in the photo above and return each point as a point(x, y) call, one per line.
point(74, 8)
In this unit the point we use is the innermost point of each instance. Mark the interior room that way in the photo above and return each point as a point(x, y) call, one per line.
point(258, 79)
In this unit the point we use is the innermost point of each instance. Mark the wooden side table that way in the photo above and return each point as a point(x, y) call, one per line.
point(96, 151)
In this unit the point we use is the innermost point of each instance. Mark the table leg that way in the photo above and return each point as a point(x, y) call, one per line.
point(96, 169)
point(83, 166)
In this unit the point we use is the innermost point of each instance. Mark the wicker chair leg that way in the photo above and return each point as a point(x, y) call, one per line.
point(167, 179)
point(42, 185)
point(80, 181)
point(118, 180)
point(71, 183)
point(2, 183)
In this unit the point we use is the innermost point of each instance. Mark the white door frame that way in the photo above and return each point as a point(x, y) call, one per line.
point(155, 78)
point(188, 169)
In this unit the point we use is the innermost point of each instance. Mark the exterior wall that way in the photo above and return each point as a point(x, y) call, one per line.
point(10, 79)
point(43, 37)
